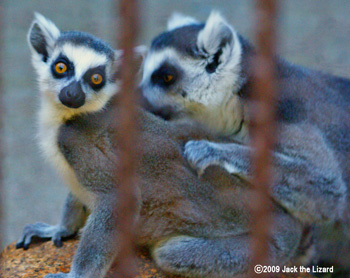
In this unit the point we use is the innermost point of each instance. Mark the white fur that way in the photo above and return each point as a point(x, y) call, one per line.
point(155, 59)
point(49, 124)
point(141, 50)
point(210, 98)
point(178, 20)
point(209, 38)
point(48, 29)
point(52, 113)
point(82, 57)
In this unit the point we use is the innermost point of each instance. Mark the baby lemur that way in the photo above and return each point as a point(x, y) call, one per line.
point(201, 71)
point(193, 227)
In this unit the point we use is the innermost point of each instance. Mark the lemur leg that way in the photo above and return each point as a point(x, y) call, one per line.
point(307, 178)
point(98, 245)
point(225, 257)
point(72, 219)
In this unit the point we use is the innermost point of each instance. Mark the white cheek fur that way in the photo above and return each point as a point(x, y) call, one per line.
point(210, 98)
point(52, 115)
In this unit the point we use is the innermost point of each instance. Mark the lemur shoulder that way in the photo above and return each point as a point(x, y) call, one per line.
point(201, 71)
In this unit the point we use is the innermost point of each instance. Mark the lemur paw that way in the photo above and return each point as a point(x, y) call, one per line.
point(42, 230)
point(201, 155)
point(58, 275)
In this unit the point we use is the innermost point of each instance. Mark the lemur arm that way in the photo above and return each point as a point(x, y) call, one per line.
point(226, 257)
point(307, 179)
point(98, 244)
point(72, 219)
point(94, 162)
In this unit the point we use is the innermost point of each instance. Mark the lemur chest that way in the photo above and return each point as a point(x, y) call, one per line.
point(48, 142)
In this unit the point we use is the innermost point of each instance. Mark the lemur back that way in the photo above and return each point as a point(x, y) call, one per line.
point(202, 71)
point(207, 77)
point(193, 226)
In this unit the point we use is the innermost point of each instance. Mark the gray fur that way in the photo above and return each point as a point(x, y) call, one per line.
point(84, 39)
point(311, 160)
point(193, 227)
point(72, 219)
point(186, 43)
point(312, 133)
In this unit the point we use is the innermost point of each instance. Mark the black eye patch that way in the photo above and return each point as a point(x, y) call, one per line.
point(88, 77)
point(165, 76)
point(70, 67)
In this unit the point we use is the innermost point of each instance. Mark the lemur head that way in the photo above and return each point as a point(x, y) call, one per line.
point(192, 67)
point(76, 71)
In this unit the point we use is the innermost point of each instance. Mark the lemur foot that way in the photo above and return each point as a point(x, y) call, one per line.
point(58, 275)
point(42, 230)
point(201, 155)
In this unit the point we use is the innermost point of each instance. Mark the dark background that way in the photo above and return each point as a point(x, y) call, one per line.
point(314, 33)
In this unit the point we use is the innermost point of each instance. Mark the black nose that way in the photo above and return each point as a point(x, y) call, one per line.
point(72, 95)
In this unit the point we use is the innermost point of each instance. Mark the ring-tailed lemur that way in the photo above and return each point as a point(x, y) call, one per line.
point(193, 227)
point(201, 71)
point(76, 76)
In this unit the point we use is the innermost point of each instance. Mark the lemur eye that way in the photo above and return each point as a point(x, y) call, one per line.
point(168, 78)
point(60, 67)
point(96, 79)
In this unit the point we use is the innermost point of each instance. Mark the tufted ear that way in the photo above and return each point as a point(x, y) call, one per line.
point(140, 54)
point(42, 37)
point(216, 34)
point(141, 50)
point(179, 20)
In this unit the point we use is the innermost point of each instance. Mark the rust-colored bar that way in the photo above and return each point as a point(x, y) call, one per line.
point(126, 142)
point(262, 130)
point(1, 131)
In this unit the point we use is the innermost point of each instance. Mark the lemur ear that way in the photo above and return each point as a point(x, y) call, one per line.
point(216, 34)
point(118, 54)
point(179, 20)
point(141, 51)
point(42, 36)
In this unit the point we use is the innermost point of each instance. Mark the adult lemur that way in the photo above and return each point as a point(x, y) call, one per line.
point(201, 71)
point(195, 228)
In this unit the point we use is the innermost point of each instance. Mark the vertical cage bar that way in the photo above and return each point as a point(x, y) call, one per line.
point(1, 130)
point(126, 142)
point(262, 129)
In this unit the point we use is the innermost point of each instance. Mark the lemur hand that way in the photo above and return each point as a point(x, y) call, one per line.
point(42, 230)
point(201, 155)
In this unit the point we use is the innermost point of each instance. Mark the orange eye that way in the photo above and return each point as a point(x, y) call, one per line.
point(60, 67)
point(96, 79)
point(168, 78)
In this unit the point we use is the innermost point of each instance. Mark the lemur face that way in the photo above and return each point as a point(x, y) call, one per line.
point(75, 69)
point(192, 67)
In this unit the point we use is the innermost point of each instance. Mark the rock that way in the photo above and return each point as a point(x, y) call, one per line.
point(43, 258)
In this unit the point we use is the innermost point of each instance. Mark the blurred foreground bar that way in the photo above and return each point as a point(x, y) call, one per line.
point(126, 138)
point(262, 113)
point(1, 130)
